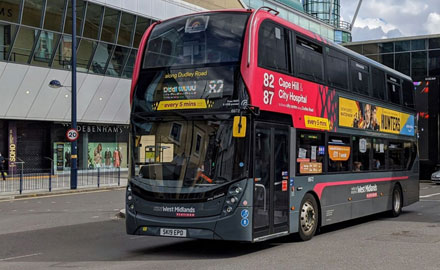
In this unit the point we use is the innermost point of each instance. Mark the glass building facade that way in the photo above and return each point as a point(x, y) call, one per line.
point(306, 17)
point(417, 57)
point(39, 33)
point(325, 10)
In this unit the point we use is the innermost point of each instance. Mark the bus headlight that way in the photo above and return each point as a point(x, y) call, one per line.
point(235, 193)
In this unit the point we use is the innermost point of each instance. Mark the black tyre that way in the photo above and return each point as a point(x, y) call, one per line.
point(397, 201)
point(308, 218)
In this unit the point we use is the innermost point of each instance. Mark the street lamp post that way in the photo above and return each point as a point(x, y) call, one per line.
point(74, 157)
point(57, 84)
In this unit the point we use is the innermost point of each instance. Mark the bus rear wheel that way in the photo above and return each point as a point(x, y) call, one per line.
point(397, 201)
point(308, 217)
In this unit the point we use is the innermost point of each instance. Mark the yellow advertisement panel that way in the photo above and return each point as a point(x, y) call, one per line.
point(182, 104)
point(355, 114)
point(316, 122)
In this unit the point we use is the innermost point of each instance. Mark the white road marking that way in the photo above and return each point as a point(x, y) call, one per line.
point(19, 257)
point(430, 195)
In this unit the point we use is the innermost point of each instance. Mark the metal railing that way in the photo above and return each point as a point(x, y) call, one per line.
point(43, 180)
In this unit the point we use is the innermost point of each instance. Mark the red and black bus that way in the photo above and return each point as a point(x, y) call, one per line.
point(247, 127)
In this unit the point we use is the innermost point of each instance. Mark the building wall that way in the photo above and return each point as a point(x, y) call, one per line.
point(418, 57)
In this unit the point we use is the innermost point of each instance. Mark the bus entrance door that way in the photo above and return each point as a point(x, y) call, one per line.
point(271, 170)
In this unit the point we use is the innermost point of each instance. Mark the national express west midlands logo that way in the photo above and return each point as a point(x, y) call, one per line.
point(180, 211)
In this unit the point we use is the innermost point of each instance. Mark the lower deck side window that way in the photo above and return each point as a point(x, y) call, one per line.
point(310, 153)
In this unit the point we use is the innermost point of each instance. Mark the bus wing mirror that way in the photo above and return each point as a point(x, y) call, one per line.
point(239, 127)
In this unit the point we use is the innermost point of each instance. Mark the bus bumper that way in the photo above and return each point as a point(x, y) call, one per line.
point(213, 228)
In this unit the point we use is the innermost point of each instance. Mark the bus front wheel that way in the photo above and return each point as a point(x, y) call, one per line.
point(397, 201)
point(309, 217)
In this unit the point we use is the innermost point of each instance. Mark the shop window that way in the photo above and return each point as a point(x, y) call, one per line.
point(379, 148)
point(7, 32)
point(395, 156)
point(272, 47)
point(337, 66)
point(128, 70)
point(408, 94)
point(378, 84)
point(310, 153)
point(141, 26)
point(361, 154)
point(45, 47)
point(309, 59)
point(339, 152)
point(403, 63)
point(126, 29)
point(434, 63)
point(387, 60)
point(53, 20)
point(23, 45)
point(387, 47)
point(402, 46)
point(418, 44)
point(360, 77)
point(85, 52)
point(111, 21)
point(117, 61)
point(32, 12)
point(434, 43)
point(93, 21)
point(79, 17)
point(419, 66)
point(100, 59)
point(63, 55)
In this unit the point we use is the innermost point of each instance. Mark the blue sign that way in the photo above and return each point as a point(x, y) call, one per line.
point(244, 213)
point(245, 222)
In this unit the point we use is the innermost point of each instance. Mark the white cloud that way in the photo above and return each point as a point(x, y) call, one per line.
point(392, 18)
point(432, 24)
point(373, 23)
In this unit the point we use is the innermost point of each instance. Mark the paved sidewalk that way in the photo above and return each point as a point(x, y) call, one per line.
point(45, 192)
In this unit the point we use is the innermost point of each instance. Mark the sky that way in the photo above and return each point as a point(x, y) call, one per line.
point(378, 19)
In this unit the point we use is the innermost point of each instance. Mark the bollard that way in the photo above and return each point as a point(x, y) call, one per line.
point(119, 176)
point(21, 181)
point(98, 177)
point(50, 181)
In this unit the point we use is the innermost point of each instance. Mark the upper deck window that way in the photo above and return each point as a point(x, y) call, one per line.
point(196, 40)
point(272, 47)
point(337, 65)
point(393, 86)
point(310, 61)
point(360, 77)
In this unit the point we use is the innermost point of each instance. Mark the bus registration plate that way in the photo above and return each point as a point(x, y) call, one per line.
point(172, 232)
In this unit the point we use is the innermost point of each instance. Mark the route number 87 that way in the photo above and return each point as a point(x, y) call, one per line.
point(267, 97)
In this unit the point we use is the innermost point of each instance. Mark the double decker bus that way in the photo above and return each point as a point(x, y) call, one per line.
point(247, 127)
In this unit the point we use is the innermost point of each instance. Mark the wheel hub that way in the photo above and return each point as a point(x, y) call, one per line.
point(308, 217)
